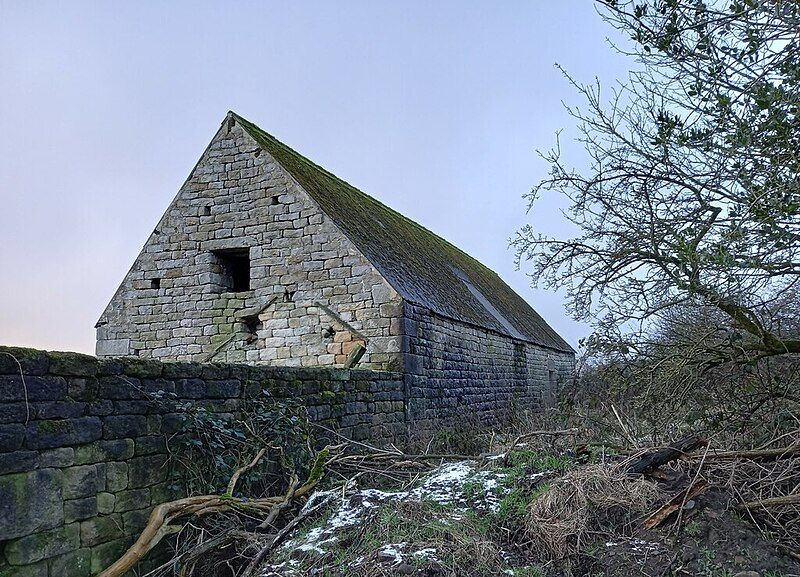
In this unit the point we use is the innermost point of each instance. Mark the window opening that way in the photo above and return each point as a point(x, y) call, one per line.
point(235, 268)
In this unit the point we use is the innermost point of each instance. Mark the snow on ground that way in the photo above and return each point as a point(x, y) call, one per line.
point(444, 485)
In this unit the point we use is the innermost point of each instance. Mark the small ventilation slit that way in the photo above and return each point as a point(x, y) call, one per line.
point(155, 283)
point(275, 200)
point(207, 210)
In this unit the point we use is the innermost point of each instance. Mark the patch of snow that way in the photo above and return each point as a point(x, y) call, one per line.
point(285, 569)
point(445, 485)
point(638, 546)
point(391, 554)
point(427, 553)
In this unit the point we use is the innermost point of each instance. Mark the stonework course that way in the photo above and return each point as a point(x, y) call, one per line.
point(473, 376)
point(83, 443)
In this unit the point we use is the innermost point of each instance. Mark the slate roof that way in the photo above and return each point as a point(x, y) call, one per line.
point(423, 267)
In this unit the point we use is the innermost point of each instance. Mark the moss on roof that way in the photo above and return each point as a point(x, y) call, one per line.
point(423, 267)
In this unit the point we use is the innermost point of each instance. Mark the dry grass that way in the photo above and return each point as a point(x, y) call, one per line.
point(592, 500)
point(753, 481)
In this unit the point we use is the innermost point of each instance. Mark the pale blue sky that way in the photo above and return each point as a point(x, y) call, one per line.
point(436, 109)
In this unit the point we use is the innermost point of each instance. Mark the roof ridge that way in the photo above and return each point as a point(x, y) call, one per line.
point(423, 267)
point(303, 158)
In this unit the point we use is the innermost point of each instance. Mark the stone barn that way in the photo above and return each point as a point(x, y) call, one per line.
point(263, 257)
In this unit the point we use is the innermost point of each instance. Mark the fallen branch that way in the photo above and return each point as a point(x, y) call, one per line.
point(276, 510)
point(677, 502)
point(278, 539)
point(240, 470)
point(653, 460)
point(163, 517)
point(756, 454)
point(772, 502)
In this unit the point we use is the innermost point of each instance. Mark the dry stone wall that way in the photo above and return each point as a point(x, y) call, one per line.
point(462, 374)
point(312, 297)
point(83, 453)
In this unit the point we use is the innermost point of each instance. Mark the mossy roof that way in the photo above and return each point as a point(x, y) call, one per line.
point(422, 267)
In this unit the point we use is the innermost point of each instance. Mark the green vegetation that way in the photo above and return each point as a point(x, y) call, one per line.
point(708, 567)
point(448, 538)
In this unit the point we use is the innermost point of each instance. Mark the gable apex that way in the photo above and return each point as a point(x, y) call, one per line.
point(421, 266)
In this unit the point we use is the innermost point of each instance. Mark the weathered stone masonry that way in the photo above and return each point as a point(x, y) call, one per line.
point(466, 374)
point(309, 298)
point(266, 258)
point(83, 448)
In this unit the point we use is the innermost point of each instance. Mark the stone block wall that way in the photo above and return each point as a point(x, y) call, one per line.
point(462, 374)
point(312, 297)
point(83, 452)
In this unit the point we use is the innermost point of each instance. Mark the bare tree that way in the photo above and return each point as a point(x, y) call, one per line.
point(691, 195)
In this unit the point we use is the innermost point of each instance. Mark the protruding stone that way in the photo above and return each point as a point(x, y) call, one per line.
point(105, 503)
point(105, 450)
point(73, 364)
point(18, 461)
point(62, 457)
point(62, 433)
point(30, 502)
point(147, 471)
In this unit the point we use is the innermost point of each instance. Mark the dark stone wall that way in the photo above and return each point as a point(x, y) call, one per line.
point(83, 444)
point(83, 452)
point(462, 375)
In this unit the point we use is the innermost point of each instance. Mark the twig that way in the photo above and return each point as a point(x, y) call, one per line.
point(772, 502)
point(262, 554)
point(625, 430)
point(24, 386)
point(572, 431)
point(240, 470)
point(757, 454)
point(696, 487)
point(276, 510)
